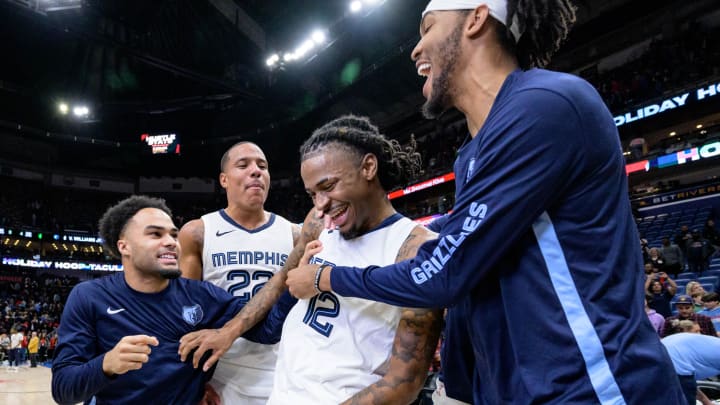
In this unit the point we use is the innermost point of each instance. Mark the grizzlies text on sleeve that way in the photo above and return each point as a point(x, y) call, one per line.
point(540, 253)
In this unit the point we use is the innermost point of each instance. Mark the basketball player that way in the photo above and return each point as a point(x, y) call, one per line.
point(118, 336)
point(536, 255)
point(239, 249)
point(335, 349)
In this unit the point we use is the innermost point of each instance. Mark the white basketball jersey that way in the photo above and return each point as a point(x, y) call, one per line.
point(240, 261)
point(332, 347)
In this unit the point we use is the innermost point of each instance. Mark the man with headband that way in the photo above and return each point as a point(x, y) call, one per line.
point(535, 259)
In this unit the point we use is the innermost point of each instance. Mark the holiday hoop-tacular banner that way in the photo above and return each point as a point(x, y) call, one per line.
point(60, 264)
point(677, 101)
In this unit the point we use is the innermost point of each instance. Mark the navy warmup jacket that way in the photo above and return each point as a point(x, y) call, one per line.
point(540, 256)
point(100, 312)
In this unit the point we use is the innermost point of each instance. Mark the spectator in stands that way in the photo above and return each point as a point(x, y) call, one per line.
point(657, 320)
point(645, 248)
point(42, 351)
point(697, 302)
point(685, 312)
point(698, 252)
point(660, 294)
point(682, 237)
point(656, 259)
point(15, 341)
point(33, 347)
point(693, 287)
point(711, 234)
point(673, 257)
point(696, 291)
point(4, 346)
point(712, 309)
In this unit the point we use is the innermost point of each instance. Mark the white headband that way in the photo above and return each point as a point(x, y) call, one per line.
point(498, 9)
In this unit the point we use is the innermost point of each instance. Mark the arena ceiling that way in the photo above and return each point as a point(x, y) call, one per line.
point(197, 67)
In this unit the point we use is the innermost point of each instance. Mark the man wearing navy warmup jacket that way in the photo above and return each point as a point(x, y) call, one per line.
point(119, 335)
point(537, 257)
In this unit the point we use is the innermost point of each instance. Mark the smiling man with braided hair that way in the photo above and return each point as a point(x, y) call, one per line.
point(541, 213)
point(335, 349)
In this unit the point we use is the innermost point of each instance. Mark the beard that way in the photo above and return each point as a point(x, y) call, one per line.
point(440, 94)
point(170, 274)
point(352, 233)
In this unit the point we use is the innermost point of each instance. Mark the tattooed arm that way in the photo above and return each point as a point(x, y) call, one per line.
point(219, 340)
point(413, 348)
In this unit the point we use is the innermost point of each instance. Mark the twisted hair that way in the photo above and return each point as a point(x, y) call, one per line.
point(543, 24)
point(115, 219)
point(358, 136)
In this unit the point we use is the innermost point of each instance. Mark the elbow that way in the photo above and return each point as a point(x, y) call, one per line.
point(59, 396)
point(61, 391)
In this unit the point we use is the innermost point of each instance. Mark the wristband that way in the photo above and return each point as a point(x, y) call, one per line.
point(318, 274)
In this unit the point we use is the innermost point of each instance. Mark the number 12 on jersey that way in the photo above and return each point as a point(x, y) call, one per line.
point(330, 309)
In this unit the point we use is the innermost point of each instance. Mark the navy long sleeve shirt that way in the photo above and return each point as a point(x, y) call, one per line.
point(100, 312)
point(540, 252)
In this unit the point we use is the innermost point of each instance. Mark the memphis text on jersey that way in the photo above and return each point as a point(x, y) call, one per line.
point(248, 257)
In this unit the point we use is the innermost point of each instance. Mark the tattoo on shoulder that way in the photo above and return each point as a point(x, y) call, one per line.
point(412, 243)
point(312, 228)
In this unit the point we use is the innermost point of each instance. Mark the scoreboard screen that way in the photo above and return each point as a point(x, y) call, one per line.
point(162, 144)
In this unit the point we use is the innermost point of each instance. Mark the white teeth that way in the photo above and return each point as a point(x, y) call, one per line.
point(338, 213)
point(424, 69)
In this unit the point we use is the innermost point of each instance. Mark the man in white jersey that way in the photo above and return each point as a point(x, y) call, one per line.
point(336, 350)
point(238, 249)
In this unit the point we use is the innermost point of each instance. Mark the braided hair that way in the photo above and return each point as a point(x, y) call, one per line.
point(113, 222)
point(358, 136)
point(543, 24)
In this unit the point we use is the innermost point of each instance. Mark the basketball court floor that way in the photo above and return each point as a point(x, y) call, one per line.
point(26, 386)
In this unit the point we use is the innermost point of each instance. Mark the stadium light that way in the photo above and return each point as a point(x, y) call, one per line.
point(318, 37)
point(272, 60)
point(306, 47)
point(356, 6)
point(81, 111)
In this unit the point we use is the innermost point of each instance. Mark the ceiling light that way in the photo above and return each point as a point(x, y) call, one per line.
point(356, 6)
point(304, 48)
point(81, 111)
point(318, 37)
